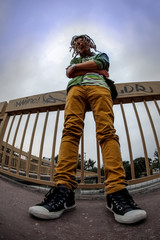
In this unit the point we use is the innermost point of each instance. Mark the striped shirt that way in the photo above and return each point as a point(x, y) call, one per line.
point(91, 78)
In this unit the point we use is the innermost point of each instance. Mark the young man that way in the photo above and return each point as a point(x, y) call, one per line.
point(88, 86)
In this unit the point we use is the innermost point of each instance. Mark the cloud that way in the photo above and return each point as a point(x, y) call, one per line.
point(36, 68)
point(130, 39)
point(5, 8)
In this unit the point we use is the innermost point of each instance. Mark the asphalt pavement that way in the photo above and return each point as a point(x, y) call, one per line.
point(89, 221)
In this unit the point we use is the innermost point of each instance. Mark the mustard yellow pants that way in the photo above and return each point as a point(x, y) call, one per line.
point(100, 101)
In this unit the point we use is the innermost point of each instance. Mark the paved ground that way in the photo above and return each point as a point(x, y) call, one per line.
point(89, 221)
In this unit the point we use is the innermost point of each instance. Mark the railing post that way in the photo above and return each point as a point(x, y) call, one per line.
point(4, 118)
point(143, 140)
point(42, 145)
point(153, 128)
point(82, 158)
point(129, 142)
point(158, 109)
point(54, 145)
point(31, 145)
point(98, 163)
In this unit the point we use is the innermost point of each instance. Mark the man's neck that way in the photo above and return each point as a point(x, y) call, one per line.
point(87, 54)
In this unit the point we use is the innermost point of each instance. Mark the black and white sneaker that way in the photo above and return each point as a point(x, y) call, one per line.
point(56, 201)
point(124, 208)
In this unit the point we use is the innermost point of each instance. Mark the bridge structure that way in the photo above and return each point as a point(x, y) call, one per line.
point(25, 119)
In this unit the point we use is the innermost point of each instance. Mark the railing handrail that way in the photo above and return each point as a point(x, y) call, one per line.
point(55, 101)
point(52, 101)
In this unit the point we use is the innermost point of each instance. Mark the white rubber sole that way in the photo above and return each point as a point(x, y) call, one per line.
point(130, 217)
point(43, 213)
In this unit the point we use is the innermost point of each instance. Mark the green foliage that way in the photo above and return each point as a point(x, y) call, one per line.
point(127, 168)
point(79, 162)
point(139, 165)
point(88, 164)
point(155, 163)
point(56, 159)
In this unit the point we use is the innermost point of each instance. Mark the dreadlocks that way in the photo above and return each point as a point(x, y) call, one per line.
point(86, 39)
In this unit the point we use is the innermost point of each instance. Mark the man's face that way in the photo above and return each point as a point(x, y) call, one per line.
point(82, 46)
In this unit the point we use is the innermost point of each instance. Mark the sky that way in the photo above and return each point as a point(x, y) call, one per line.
point(35, 39)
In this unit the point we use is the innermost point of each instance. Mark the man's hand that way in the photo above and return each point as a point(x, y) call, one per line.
point(102, 72)
point(71, 73)
point(83, 68)
point(88, 66)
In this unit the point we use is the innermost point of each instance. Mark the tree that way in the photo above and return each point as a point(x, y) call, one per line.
point(88, 164)
point(127, 168)
point(140, 166)
point(102, 171)
point(56, 159)
point(155, 162)
point(79, 162)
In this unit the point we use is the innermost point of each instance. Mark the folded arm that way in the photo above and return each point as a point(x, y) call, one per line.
point(83, 68)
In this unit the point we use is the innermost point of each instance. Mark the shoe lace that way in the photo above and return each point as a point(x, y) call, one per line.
point(131, 201)
point(55, 196)
point(49, 195)
point(123, 201)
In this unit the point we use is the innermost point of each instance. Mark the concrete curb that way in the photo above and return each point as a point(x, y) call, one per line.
point(93, 194)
